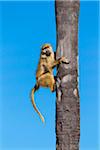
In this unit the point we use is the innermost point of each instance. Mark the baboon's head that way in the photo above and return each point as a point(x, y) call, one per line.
point(47, 51)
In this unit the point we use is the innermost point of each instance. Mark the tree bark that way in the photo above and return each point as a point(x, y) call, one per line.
point(67, 104)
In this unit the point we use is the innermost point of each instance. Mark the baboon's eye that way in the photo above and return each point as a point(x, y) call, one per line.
point(43, 53)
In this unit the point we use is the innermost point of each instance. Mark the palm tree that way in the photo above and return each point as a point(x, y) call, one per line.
point(67, 105)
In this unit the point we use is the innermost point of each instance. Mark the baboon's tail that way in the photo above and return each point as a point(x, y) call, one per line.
point(33, 102)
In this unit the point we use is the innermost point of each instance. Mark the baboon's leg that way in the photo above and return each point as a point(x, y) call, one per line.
point(53, 85)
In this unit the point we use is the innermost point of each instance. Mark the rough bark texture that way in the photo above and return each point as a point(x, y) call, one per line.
point(67, 105)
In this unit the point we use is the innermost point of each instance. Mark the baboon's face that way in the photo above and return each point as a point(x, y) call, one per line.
point(47, 51)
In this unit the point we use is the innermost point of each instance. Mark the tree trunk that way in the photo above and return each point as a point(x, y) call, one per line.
point(67, 105)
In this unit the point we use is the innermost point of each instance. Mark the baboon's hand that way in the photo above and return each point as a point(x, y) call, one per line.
point(64, 60)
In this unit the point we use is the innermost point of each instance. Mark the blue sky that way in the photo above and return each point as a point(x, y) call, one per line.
point(24, 27)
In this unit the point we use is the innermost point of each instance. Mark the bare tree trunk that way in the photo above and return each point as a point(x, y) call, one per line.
point(67, 105)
